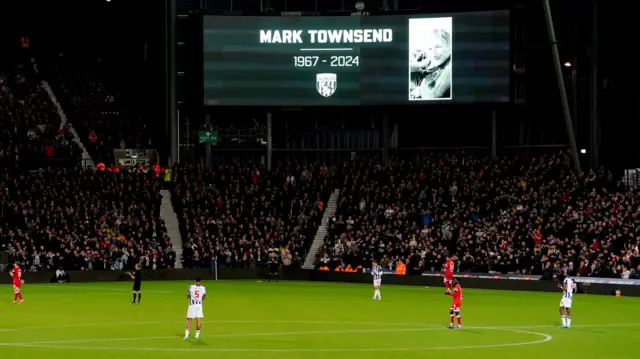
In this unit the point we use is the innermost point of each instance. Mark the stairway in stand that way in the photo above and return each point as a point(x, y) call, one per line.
point(170, 217)
point(87, 161)
point(318, 241)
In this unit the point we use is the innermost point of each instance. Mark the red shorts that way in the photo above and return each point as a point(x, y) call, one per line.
point(16, 287)
point(456, 305)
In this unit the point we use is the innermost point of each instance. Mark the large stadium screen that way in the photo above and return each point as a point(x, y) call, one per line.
point(356, 60)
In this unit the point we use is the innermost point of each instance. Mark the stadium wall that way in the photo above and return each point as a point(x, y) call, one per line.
point(495, 282)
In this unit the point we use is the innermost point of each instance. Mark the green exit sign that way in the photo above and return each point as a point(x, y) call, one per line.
point(208, 137)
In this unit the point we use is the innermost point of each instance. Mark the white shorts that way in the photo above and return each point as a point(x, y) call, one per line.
point(566, 303)
point(377, 282)
point(195, 312)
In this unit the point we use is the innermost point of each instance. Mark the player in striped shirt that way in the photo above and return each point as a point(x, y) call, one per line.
point(568, 287)
point(376, 272)
point(196, 295)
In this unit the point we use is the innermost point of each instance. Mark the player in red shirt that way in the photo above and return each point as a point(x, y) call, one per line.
point(449, 267)
point(455, 306)
point(16, 274)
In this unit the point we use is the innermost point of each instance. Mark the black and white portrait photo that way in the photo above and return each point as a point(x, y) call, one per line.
point(430, 59)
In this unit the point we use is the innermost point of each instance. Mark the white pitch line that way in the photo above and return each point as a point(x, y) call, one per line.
point(421, 325)
point(81, 325)
point(77, 326)
point(232, 335)
point(346, 331)
point(546, 338)
point(556, 326)
point(86, 341)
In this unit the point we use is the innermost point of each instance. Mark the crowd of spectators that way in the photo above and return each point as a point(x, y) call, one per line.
point(101, 116)
point(527, 214)
point(241, 214)
point(83, 220)
point(30, 127)
point(518, 214)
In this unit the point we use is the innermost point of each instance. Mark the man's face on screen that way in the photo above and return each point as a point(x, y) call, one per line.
point(437, 51)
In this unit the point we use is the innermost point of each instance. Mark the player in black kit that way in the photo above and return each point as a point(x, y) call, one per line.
point(137, 283)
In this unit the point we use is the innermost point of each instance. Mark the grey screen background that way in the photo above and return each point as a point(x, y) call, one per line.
point(239, 70)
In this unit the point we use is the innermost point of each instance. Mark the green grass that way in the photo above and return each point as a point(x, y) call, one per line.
point(248, 319)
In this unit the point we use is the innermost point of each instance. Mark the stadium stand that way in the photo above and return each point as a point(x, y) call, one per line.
point(100, 116)
point(242, 214)
point(521, 214)
point(31, 132)
point(55, 214)
point(82, 220)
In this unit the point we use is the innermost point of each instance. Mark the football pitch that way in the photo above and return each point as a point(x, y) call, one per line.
point(249, 319)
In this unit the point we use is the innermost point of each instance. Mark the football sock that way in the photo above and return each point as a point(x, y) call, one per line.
point(459, 320)
point(139, 296)
point(134, 297)
point(197, 334)
point(569, 320)
point(15, 297)
point(186, 333)
point(376, 294)
point(20, 296)
point(564, 320)
point(451, 318)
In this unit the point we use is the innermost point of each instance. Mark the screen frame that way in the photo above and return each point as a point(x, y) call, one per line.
point(510, 97)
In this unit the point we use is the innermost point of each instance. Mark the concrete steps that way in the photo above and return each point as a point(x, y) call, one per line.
point(323, 229)
point(170, 217)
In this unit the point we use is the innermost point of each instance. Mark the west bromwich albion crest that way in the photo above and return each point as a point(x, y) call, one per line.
point(326, 84)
